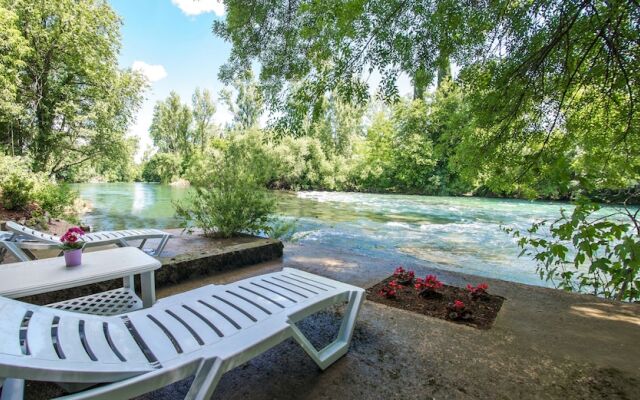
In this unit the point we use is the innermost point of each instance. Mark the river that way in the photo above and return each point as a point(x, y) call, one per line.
point(454, 233)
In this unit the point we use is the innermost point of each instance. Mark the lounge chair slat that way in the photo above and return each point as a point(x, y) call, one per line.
point(242, 307)
point(10, 321)
point(124, 343)
point(314, 280)
point(262, 287)
point(254, 300)
point(288, 289)
point(268, 296)
point(98, 343)
point(235, 313)
point(200, 331)
point(227, 325)
point(39, 336)
point(70, 342)
point(157, 341)
point(205, 319)
point(296, 285)
point(304, 283)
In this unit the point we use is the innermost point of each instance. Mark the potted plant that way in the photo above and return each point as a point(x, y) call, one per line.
point(72, 245)
point(403, 277)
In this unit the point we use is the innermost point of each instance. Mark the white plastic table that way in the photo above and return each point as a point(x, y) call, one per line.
point(50, 274)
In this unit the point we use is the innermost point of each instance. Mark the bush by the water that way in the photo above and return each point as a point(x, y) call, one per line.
point(232, 200)
point(21, 188)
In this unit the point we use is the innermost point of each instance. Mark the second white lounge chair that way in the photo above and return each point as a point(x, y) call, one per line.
point(119, 238)
point(204, 332)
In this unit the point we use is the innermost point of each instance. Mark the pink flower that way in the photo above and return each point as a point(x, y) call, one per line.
point(458, 305)
point(72, 235)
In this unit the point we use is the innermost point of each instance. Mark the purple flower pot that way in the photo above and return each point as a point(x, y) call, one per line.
point(73, 258)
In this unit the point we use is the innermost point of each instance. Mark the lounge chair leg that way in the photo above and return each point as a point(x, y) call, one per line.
point(333, 351)
point(161, 245)
point(12, 389)
point(205, 380)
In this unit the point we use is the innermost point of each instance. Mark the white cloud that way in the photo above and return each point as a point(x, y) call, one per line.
point(153, 73)
point(197, 7)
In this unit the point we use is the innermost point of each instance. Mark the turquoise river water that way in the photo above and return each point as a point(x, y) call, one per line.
point(453, 233)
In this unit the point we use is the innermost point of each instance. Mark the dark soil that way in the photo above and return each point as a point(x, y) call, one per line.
point(483, 311)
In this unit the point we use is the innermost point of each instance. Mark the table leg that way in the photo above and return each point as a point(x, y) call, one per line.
point(148, 288)
point(128, 282)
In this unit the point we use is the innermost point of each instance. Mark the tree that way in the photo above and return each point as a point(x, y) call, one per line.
point(552, 85)
point(203, 108)
point(331, 43)
point(71, 103)
point(13, 47)
point(247, 106)
point(171, 126)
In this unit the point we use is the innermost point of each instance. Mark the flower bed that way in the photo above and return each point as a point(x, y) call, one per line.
point(472, 306)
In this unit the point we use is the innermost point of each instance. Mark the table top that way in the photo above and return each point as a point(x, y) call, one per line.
point(47, 275)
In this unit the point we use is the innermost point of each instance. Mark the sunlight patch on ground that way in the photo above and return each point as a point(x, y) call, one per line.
point(606, 312)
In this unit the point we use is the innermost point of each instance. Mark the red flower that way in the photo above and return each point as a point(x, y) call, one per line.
point(399, 271)
point(388, 292)
point(394, 284)
point(458, 305)
point(481, 289)
point(431, 282)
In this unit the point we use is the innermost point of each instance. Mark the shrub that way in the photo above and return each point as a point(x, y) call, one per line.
point(17, 191)
point(162, 167)
point(233, 202)
point(55, 198)
point(586, 251)
point(20, 187)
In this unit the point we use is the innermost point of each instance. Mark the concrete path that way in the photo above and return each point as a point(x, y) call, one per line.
point(545, 344)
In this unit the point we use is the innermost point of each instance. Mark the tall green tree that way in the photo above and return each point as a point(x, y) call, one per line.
point(203, 110)
point(70, 103)
point(171, 128)
point(13, 48)
point(247, 106)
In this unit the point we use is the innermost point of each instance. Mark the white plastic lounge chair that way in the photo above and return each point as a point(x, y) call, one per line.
point(119, 238)
point(204, 332)
point(21, 250)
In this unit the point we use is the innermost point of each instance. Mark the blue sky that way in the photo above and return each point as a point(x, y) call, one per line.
point(170, 41)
